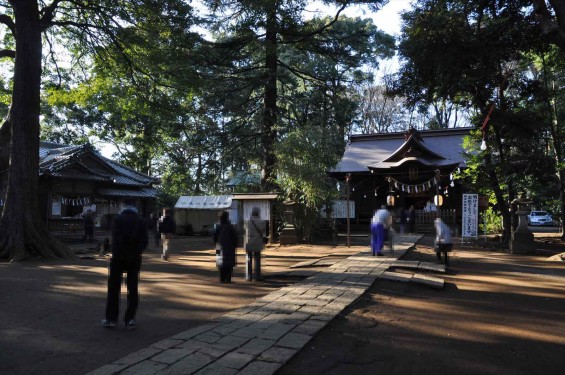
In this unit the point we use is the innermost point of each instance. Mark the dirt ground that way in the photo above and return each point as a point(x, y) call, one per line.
point(497, 314)
point(51, 310)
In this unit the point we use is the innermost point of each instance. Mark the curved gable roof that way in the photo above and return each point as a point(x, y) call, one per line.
point(363, 151)
point(69, 162)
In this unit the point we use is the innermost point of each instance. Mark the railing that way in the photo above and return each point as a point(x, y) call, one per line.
point(425, 219)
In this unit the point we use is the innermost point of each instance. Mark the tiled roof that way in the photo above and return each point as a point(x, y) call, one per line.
point(371, 150)
point(201, 202)
point(254, 196)
point(242, 178)
point(125, 193)
point(65, 161)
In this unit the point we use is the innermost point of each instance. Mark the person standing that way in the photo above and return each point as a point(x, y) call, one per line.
point(153, 227)
point(443, 242)
point(225, 238)
point(255, 233)
point(403, 220)
point(379, 229)
point(129, 239)
point(412, 219)
point(167, 227)
point(88, 220)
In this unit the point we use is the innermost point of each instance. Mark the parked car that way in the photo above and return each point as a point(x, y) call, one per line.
point(540, 218)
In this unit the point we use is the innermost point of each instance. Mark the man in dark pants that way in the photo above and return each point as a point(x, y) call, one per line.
point(129, 239)
point(226, 236)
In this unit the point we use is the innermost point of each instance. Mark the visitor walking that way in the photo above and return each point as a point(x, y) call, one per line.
point(379, 230)
point(225, 239)
point(88, 220)
point(129, 239)
point(167, 227)
point(403, 220)
point(412, 219)
point(255, 234)
point(443, 242)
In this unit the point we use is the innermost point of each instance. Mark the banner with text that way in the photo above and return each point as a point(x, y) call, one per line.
point(470, 219)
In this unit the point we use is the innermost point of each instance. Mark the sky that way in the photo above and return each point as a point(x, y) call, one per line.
point(387, 19)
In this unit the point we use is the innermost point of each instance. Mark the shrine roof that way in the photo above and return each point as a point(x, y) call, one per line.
point(83, 162)
point(379, 150)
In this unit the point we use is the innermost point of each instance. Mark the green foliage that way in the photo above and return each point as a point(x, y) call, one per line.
point(478, 54)
point(304, 156)
point(5, 98)
point(492, 220)
point(271, 56)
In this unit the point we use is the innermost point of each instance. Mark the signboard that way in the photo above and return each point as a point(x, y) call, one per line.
point(470, 216)
point(56, 208)
point(263, 205)
point(339, 209)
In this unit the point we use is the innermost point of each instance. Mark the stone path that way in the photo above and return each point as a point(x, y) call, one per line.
point(263, 336)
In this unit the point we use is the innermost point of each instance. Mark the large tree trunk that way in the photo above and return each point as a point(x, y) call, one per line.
point(552, 29)
point(269, 132)
point(4, 158)
point(495, 186)
point(22, 232)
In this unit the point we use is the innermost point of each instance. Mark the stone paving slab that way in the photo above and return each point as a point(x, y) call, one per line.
point(434, 282)
point(394, 276)
point(425, 266)
point(261, 337)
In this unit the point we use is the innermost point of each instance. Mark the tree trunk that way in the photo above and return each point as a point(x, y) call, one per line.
point(4, 158)
point(552, 29)
point(495, 186)
point(23, 234)
point(269, 132)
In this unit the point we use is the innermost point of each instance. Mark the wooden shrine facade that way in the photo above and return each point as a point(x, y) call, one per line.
point(413, 167)
point(74, 179)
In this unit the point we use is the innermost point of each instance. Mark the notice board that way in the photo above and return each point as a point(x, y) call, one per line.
point(470, 216)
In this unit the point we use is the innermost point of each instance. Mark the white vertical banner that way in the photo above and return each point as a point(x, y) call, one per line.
point(470, 216)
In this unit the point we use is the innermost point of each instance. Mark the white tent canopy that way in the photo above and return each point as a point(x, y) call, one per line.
point(199, 202)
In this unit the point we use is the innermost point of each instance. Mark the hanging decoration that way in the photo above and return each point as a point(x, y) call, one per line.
point(412, 188)
point(78, 201)
point(390, 197)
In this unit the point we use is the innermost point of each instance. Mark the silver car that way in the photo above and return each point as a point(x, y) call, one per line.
point(540, 218)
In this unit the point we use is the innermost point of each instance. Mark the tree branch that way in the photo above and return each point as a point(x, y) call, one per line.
point(7, 53)
point(549, 27)
point(47, 14)
point(9, 22)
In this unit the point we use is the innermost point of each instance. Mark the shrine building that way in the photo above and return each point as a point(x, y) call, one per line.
point(400, 170)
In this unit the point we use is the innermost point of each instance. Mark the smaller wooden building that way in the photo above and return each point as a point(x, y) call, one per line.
point(74, 179)
point(198, 214)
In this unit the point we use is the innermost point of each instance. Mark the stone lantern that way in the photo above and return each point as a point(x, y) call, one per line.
point(522, 240)
point(288, 234)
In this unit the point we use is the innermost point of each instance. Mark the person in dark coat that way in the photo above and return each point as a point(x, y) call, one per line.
point(225, 236)
point(88, 220)
point(129, 239)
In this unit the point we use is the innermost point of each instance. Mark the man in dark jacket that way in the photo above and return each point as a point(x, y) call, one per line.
point(129, 239)
point(226, 237)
